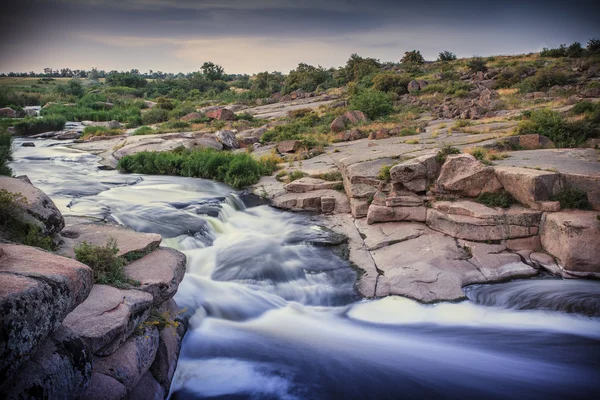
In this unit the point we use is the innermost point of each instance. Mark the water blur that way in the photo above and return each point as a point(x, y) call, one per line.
point(274, 313)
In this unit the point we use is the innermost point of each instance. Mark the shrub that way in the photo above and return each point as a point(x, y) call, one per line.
point(391, 83)
point(154, 116)
point(90, 131)
point(572, 198)
point(413, 57)
point(552, 125)
point(103, 260)
point(583, 107)
point(295, 175)
point(496, 199)
point(175, 125)
point(71, 88)
point(235, 169)
point(575, 50)
point(544, 79)
point(561, 51)
point(13, 225)
point(33, 126)
point(446, 56)
point(143, 130)
point(126, 79)
point(444, 152)
point(384, 173)
point(477, 64)
point(593, 46)
point(373, 103)
point(462, 123)
point(244, 116)
point(5, 154)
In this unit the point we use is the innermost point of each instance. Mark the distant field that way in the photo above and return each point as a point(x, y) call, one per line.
point(28, 82)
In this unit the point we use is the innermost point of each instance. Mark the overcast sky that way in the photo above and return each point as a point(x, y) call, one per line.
point(275, 35)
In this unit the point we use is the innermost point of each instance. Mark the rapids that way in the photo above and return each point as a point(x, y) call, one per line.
point(274, 313)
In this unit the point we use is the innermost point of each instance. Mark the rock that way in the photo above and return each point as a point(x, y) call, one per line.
point(359, 207)
point(389, 214)
point(274, 98)
point(169, 345)
point(159, 273)
point(103, 105)
point(39, 207)
point(350, 135)
point(288, 146)
point(227, 138)
point(147, 389)
point(527, 243)
point(192, 116)
point(413, 86)
point(71, 134)
point(104, 387)
point(313, 201)
point(108, 317)
point(60, 369)
point(543, 260)
point(8, 113)
point(128, 241)
point(150, 104)
point(132, 360)
point(462, 174)
point(528, 186)
point(27, 144)
point(37, 291)
point(408, 171)
point(572, 237)
point(338, 124)
point(403, 200)
point(385, 234)
point(221, 114)
point(355, 116)
point(236, 107)
point(308, 184)
point(535, 141)
point(360, 179)
point(472, 221)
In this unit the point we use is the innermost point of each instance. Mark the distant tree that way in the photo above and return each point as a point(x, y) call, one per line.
point(73, 87)
point(94, 74)
point(446, 56)
point(560, 51)
point(477, 64)
point(306, 77)
point(575, 50)
point(213, 72)
point(358, 67)
point(126, 79)
point(593, 46)
point(413, 57)
point(391, 83)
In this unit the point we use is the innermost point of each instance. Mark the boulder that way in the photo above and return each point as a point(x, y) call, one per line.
point(60, 369)
point(147, 389)
point(528, 186)
point(316, 201)
point(159, 273)
point(132, 360)
point(338, 124)
point(413, 86)
point(534, 141)
point(545, 261)
point(389, 214)
point(169, 345)
point(8, 113)
point(128, 241)
point(37, 291)
point(40, 209)
point(463, 175)
point(221, 114)
point(359, 207)
point(104, 387)
point(288, 146)
point(192, 116)
point(351, 135)
point(108, 317)
point(355, 116)
point(573, 237)
point(227, 139)
point(308, 184)
point(473, 221)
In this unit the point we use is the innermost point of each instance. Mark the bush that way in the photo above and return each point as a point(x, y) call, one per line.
point(143, 130)
point(583, 107)
point(103, 260)
point(90, 131)
point(154, 116)
point(444, 152)
point(71, 88)
point(593, 46)
point(373, 103)
point(544, 79)
point(384, 173)
point(176, 125)
point(33, 126)
point(575, 50)
point(391, 83)
point(5, 154)
point(552, 125)
point(446, 56)
point(572, 198)
point(126, 79)
point(496, 199)
point(561, 51)
point(235, 169)
point(477, 64)
point(413, 57)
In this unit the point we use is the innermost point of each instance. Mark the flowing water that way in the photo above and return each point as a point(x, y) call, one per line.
point(274, 313)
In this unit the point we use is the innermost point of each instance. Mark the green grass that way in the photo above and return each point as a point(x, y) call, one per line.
point(90, 131)
point(144, 130)
point(384, 173)
point(103, 260)
point(496, 199)
point(33, 126)
point(236, 169)
point(562, 132)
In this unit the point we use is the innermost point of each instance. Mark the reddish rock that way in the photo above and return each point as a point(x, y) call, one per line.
point(288, 146)
point(192, 116)
point(8, 113)
point(351, 135)
point(221, 114)
point(355, 116)
point(338, 124)
point(462, 174)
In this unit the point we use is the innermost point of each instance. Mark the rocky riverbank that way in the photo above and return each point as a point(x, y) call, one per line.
point(66, 337)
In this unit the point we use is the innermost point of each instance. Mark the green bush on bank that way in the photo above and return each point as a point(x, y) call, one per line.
point(373, 103)
point(235, 169)
point(103, 260)
point(562, 132)
point(33, 126)
point(5, 154)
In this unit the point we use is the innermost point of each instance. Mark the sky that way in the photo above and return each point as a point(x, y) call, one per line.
point(250, 36)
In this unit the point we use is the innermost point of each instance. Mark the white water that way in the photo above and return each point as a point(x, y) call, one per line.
point(274, 316)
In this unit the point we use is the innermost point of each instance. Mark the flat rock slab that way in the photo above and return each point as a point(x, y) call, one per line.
point(128, 241)
point(569, 161)
point(37, 291)
point(384, 234)
point(37, 204)
point(326, 201)
point(528, 186)
point(132, 360)
point(108, 317)
point(159, 273)
point(308, 184)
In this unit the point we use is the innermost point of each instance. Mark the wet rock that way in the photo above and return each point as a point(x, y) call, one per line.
point(60, 369)
point(572, 237)
point(227, 138)
point(128, 241)
point(147, 389)
point(132, 360)
point(545, 261)
point(104, 387)
point(528, 186)
point(221, 114)
point(40, 210)
point(108, 317)
point(159, 273)
point(462, 174)
point(390, 214)
point(288, 146)
point(27, 144)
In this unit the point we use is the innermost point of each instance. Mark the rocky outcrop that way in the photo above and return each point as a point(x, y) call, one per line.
point(192, 116)
point(349, 118)
point(227, 139)
point(463, 175)
point(40, 210)
point(308, 184)
point(324, 201)
point(221, 114)
point(528, 186)
point(288, 146)
point(573, 237)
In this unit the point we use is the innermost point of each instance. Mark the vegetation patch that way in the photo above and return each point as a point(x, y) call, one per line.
point(103, 260)
point(444, 152)
point(373, 103)
point(5, 154)
point(384, 173)
point(15, 227)
point(572, 198)
point(91, 131)
point(562, 132)
point(33, 126)
point(496, 199)
point(236, 169)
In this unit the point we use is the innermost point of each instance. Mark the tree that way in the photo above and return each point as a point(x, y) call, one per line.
point(593, 46)
point(358, 67)
point(413, 57)
point(213, 72)
point(94, 74)
point(391, 83)
point(373, 103)
point(575, 50)
point(477, 64)
point(446, 56)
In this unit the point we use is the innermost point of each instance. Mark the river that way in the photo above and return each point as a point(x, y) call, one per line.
point(274, 313)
